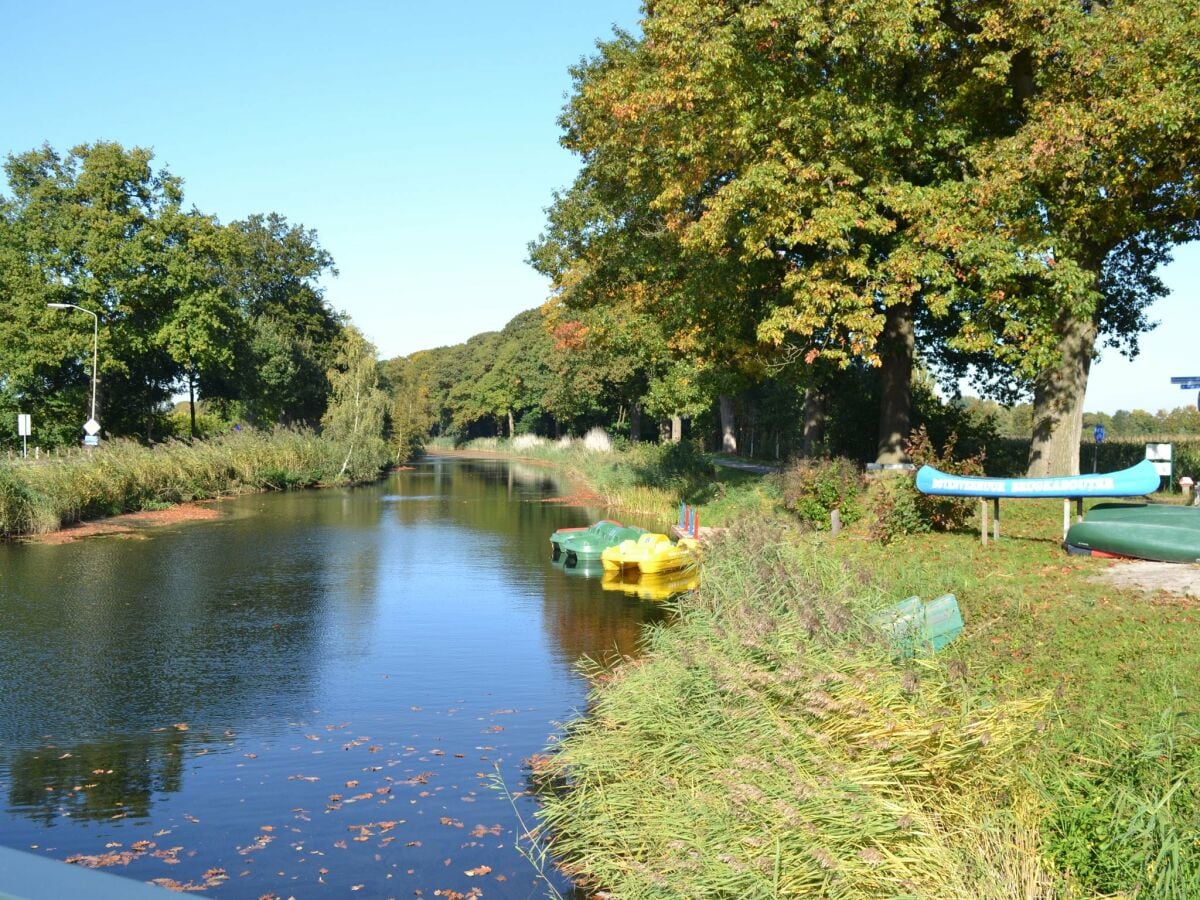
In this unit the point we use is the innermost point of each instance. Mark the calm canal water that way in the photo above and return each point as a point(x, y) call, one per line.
point(306, 697)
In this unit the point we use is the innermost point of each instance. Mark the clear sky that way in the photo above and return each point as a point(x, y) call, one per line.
point(419, 140)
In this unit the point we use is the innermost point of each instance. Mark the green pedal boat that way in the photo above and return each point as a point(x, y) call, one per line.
point(1155, 531)
point(580, 545)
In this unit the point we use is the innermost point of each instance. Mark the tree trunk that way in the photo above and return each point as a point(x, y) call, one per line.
point(895, 407)
point(635, 421)
point(814, 422)
point(728, 437)
point(676, 429)
point(511, 425)
point(192, 402)
point(1058, 403)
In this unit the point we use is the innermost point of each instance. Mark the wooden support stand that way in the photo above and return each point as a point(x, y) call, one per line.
point(983, 520)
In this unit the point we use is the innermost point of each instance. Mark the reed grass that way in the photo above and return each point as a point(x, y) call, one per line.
point(768, 745)
point(126, 477)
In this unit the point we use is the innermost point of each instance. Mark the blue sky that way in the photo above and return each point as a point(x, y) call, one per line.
point(420, 141)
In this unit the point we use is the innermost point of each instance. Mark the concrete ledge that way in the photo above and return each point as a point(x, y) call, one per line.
point(25, 876)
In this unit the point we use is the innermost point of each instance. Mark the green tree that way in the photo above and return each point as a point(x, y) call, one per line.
point(86, 229)
point(273, 270)
point(412, 415)
point(357, 404)
point(204, 327)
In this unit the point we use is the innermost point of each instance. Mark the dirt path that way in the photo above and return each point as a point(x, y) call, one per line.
point(1179, 579)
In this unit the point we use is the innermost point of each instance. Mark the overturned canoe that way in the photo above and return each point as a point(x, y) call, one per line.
point(1132, 482)
point(576, 545)
point(1139, 530)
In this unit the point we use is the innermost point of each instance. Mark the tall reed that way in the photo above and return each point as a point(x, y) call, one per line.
point(126, 477)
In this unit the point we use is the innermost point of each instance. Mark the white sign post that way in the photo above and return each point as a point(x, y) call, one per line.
point(1162, 455)
point(24, 429)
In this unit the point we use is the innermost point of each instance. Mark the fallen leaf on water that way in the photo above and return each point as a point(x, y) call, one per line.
point(479, 870)
point(102, 860)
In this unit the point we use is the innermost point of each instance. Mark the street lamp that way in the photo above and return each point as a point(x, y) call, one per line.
point(95, 350)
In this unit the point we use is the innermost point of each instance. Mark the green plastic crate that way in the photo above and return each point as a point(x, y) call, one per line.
point(920, 629)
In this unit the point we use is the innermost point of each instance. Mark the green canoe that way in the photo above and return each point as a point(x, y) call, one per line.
point(576, 545)
point(1159, 532)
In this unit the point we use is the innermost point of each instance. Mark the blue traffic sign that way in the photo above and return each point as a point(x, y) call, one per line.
point(1098, 434)
point(1189, 385)
point(1185, 379)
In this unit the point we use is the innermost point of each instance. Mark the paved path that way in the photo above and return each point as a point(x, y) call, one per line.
point(757, 468)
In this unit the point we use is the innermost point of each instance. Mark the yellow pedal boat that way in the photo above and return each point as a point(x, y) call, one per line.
point(650, 554)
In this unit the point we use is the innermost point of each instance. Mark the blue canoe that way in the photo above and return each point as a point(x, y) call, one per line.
point(1132, 482)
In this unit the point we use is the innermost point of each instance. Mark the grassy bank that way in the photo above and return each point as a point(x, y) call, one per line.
point(649, 479)
point(125, 477)
point(767, 745)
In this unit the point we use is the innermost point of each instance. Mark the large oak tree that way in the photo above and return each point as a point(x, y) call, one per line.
point(986, 184)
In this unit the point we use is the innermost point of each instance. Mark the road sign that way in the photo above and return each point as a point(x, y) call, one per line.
point(24, 425)
point(1189, 385)
point(1184, 379)
point(91, 441)
point(1098, 434)
point(92, 427)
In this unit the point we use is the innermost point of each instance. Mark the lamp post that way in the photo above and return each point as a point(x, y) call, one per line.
point(95, 351)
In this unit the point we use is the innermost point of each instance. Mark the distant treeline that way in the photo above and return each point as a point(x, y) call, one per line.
point(534, 377)
point(230, 313)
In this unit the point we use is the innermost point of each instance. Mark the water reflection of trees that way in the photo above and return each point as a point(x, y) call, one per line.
point(97, 780)
point(215, 623)
point(578, 616)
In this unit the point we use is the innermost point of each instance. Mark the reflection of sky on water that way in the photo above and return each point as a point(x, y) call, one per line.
point(224, 683)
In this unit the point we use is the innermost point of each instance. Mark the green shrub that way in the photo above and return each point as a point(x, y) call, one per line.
point(812, 489)
point(901, 509)
point(897, 512)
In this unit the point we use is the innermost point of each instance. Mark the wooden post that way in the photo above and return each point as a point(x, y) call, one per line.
point(1066, 516)
point(996, 518)
point(1078, 509)
point(835, 522)
point(983, 521)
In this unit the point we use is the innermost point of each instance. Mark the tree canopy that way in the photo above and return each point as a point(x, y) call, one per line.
point(986, 186)
point(233, 314)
